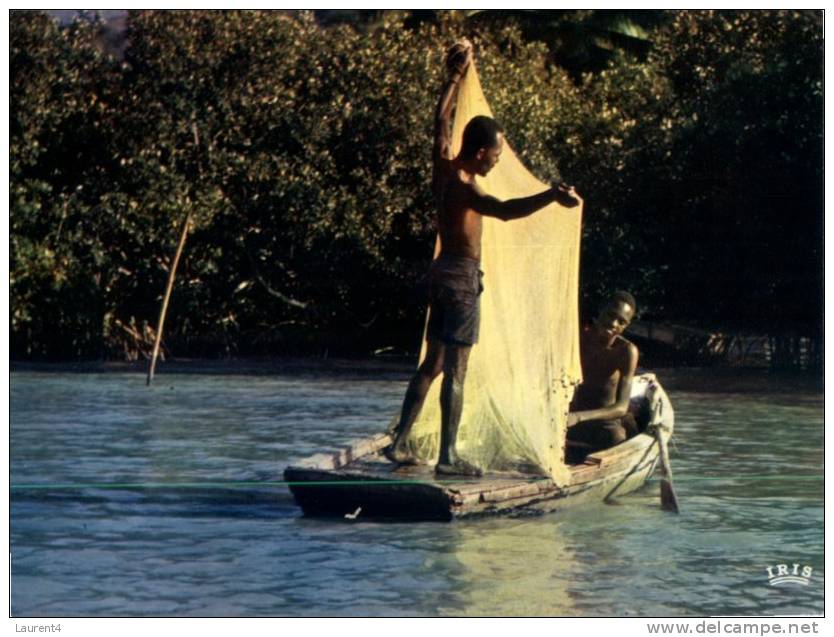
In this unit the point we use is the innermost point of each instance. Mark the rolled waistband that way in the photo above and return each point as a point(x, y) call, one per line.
point(456, 258)
point(455, 262)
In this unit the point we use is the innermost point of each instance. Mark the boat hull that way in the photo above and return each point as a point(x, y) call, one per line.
point(357, 480)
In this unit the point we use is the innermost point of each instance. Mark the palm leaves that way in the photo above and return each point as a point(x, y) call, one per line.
point(581, 41)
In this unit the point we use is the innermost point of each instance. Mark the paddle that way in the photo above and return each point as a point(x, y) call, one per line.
point(668, 497)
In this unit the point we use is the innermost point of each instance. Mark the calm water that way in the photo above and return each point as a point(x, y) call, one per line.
point(748, 467)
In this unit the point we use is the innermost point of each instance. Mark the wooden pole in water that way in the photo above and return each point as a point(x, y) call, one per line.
point(172, 273)
point(668, 497)
point(171, 276)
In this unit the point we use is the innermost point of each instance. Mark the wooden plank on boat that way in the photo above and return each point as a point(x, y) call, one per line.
point(352, 451)
point(614, 460)
point(515, 501)
point(517, 491)
point(484, 484)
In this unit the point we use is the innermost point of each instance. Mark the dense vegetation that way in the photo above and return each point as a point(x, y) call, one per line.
point(303, 154)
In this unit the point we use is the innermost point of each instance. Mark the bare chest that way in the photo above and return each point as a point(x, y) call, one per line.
point(460, 227)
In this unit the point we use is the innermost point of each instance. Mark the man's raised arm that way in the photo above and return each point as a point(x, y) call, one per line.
point(457, 61)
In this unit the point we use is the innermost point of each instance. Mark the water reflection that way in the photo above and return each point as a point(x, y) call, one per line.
point(514, 567)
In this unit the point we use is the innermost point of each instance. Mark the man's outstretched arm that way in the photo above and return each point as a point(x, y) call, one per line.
point(490, 206)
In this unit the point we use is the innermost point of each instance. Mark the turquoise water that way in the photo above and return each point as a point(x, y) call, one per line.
point(748, 471)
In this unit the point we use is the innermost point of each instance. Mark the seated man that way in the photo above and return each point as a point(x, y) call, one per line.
point(599, 416)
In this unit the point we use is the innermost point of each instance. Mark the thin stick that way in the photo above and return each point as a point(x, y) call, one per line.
point(164, 309)
point(173, 272)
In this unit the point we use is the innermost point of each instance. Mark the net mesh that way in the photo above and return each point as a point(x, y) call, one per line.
point(523, 370)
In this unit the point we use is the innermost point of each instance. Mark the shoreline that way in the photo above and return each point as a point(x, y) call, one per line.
point(718, 380)
point(363, 367)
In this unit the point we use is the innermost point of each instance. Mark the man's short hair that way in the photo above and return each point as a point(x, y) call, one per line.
point(480, 132)
point(624, 297)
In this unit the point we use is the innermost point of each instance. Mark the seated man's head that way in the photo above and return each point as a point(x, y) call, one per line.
point(616, 315)
point(483, 141)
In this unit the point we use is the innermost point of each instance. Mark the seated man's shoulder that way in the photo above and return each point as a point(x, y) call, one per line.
point(627, 346)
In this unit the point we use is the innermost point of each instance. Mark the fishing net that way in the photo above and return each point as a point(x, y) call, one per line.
point(524, 368)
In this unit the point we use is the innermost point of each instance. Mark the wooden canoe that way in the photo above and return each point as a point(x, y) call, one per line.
point(358, 481)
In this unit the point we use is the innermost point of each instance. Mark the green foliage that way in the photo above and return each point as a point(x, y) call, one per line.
point(58, 153)
point(748, 165)
point(303, 154)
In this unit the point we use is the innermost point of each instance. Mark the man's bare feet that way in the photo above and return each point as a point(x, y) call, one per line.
point(458, 468)
point(398, 456)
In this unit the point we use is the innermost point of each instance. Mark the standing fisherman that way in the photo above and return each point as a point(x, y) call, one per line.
point(454, 277)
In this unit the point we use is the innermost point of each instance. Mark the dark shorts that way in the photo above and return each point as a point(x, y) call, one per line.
point(454, 300)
